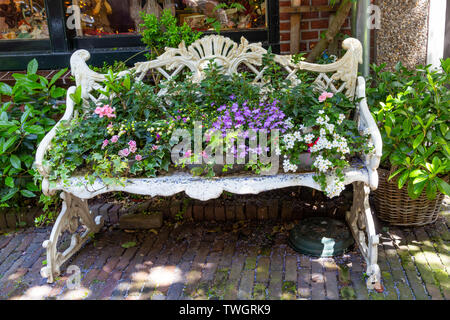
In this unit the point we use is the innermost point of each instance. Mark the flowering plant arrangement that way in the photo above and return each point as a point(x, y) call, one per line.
point(330, 139)
point(134, 132)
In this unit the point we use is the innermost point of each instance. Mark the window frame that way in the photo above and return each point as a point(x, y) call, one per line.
point(55, 52)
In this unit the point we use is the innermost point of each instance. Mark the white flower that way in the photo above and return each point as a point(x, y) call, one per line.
point(288, 123)
point(309, 137)
point(321, 112)
point(322, 164)
point(288, 166)
point(334, 186)
point(320, 120)
point(277, 151)
point(330, 127)
point(341, 118)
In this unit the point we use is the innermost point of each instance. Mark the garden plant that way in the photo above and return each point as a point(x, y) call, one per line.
point(130, 134)
point(412, 109)
point(29, 109)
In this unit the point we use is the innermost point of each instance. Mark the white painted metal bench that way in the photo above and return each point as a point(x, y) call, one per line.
point(75, 211)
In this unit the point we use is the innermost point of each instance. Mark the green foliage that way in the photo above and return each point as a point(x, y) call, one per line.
point(412, 109)
point(31, 109)
point(134, 138)
point(117, 66)
point(165, 32)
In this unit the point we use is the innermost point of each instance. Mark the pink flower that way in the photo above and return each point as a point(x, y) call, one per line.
point(105, 143)
point(132, 145)
point(110, 125)
point(106, 110)
point(188, 154)
point(325, 95)
point(114, 139)
point(124, 152)
point(205, 155)
point(155, 147)
point(138, 157)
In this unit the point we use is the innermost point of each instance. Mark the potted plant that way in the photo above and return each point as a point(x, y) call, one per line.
point(412, 111)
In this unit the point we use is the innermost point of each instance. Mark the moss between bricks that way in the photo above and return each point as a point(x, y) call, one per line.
point(348, 293)
point(344, 274)
point(288, 290)
point(260, 291)
point(218, 288)
point(250, 263)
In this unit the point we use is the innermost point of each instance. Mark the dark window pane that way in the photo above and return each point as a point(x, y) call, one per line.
point(109, 17)
point(23, 20)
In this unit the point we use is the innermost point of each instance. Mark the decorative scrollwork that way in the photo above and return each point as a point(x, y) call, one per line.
point(361, 224)
point(228, 54)
point(74, 213)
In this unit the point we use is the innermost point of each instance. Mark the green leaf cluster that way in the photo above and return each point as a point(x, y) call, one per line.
point(157, 34)
point(412, 110)
point(29, 109)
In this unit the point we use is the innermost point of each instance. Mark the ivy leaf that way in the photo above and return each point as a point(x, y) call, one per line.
point(431, 190)
point(9, 181)
point(32, 66)
point(130, 244)
point(9, 195)
point(15, 161)
point(5, 89)
point(418, 140)
point(27, 193)
point(443, 186)
point(403, 178)
point(34, 129)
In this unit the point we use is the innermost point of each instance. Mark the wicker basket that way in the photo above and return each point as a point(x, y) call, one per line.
point(394, 205)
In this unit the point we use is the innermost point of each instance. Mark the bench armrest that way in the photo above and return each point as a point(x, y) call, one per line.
point(366, 121)
point(46, 141)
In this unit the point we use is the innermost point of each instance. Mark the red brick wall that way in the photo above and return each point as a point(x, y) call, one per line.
point(311, 25)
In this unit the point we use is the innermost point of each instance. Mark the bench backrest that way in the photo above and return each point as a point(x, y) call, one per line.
point(339, 76)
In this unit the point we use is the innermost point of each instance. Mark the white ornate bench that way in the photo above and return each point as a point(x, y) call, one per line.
point(75, 211)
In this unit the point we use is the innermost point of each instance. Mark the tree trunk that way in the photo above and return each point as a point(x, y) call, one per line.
point(333, 29)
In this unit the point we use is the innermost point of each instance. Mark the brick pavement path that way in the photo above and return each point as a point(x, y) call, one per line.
point(245, 260)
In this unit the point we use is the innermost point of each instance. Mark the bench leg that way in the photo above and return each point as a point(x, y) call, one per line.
point(361, 223)
point(76, 219)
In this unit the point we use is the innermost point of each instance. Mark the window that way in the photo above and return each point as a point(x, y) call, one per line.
point(50, 30)
point(112, 17)
point(23, 20)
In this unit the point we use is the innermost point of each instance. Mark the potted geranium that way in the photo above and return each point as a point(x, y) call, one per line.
point(412, 111)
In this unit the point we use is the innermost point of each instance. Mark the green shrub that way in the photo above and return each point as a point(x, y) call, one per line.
point(31, 109)
point(162, 33)
point(412, 108)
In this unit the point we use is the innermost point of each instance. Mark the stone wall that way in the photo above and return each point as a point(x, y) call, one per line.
point(404, 32)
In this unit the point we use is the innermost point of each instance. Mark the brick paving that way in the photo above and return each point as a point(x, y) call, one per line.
point(228, 260)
